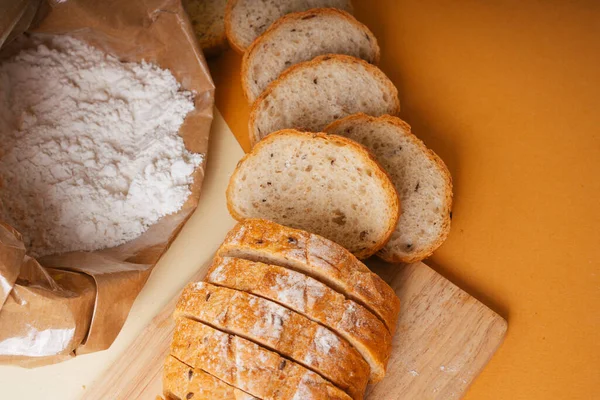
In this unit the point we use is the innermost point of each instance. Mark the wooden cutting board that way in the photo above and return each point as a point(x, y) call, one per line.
point(445, 338)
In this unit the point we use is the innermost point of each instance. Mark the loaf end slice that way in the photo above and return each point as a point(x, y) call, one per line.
point(320, 183)
point(208, 19)
point(421, 179)
point(312, 94)
point(268, 242)
point(245, 20)
point(302, 36)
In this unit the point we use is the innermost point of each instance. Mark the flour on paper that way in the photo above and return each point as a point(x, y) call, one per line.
point(90, 155)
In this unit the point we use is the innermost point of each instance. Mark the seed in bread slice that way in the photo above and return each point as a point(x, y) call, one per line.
point(312, 94)
point(280, 329)
point(421, 179)
point(245, 20)
point(208, 20)
point(312, 299)
point(302, 36)
point(321, 183)
point(248, 366)
point(180, 381)
point(271, 243)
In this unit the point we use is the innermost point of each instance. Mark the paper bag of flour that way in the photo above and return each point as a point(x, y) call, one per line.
point(59, 306)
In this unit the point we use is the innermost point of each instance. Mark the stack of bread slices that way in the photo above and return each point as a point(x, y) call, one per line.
point(314, 71)
point(287, 310)
point(282, 314)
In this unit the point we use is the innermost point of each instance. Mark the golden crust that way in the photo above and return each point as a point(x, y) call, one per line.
point(246, 365)
point(280, 24)
point(313, 299)
point(280, 329)
point(328, 58)
point(387, 253)
point(179, 380)
point(393, 201)
point(318, 257)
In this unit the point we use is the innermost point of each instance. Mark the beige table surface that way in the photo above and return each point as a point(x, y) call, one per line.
point(199, 238)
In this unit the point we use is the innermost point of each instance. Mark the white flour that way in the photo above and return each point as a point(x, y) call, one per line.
point(90, 154)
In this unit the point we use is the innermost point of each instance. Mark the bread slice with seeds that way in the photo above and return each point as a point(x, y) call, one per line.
point(271, 243)
point(321, 183)
point(208, 20)
point(245, 20)
point(312, 299)
point(280, 329)
point(421, 179)
point(248, 366)
point(312, 94)
point(180, 381)
point(302, 36)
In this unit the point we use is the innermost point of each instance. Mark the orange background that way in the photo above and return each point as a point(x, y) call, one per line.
point(508, 94)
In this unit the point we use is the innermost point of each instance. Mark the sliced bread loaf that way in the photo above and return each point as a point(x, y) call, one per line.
point(180, 381)
point(248, 366)
point(421, 179)
point(280, 329)
point(271, 243)
point(208, 20)
point(245, 20)
point(312, 299)
point(321, 183)
point(312, 94)
point(302, 36)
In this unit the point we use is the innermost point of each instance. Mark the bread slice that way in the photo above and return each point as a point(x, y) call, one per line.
point(248, 366)
point(208, 19)
point(312, 299)
point(271, 243)
point(245, 20)
point(280, 329)
point(421, 179)
point(302, 36)
point(180, 381)
point(321, 183)
point(312, 94)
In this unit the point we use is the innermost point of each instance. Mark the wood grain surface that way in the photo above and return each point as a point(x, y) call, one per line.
point(445, 338)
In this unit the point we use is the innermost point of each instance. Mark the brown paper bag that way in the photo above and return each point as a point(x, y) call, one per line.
point(62, 305)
